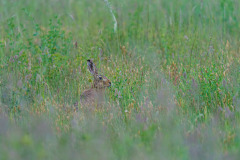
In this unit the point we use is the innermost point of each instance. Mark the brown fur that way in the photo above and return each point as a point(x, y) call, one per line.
point(95, 95)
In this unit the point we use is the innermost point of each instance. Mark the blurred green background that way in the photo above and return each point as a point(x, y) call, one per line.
point(174, 66)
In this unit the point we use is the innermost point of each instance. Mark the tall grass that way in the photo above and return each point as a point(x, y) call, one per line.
point(174, 66)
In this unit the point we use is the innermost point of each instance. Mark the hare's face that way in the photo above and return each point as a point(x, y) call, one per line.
point(101, 82)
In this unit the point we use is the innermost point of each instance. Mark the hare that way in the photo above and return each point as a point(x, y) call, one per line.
point(95, 95)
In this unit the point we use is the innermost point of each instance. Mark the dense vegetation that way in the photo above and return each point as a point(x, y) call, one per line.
point(174, 66)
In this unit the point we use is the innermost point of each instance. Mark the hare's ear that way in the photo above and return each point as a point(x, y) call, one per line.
point(92, 68)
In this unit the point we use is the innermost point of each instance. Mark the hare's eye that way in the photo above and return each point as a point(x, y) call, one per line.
point(100, 77)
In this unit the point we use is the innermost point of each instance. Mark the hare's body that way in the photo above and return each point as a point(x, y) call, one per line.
point(92, 96)
point(95, 95)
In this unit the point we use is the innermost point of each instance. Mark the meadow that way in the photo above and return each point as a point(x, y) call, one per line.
point(174, 67)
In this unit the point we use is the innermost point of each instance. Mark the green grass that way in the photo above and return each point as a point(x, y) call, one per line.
point(174, 66)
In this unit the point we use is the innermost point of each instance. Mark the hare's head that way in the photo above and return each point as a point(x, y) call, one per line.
point(100, 81)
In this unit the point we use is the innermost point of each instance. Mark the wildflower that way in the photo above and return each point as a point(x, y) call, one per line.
point(16, 57)
point(20, 53)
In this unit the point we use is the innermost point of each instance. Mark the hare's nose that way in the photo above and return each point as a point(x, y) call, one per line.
point(109, 84)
